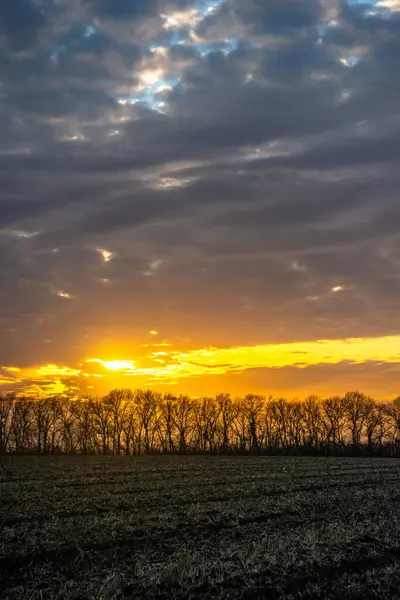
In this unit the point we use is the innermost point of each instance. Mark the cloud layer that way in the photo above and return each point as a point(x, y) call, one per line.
point(222, 171)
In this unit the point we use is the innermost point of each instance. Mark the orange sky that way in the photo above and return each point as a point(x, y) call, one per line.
point(268, 369)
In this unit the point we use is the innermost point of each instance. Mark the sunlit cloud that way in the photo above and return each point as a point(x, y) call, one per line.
point(170, 183)
point(65, 295)
point(170, 366)
point(164, 88)
point(150, 77)
point(159, 51)
point(154, 267)
point(176, 365)
point(114, 133)
point(49, 389)
point(42, 381)
point(19, 233)
point(393, 5)
point(337, 288)
point(6, 381)
point(105, 254)
point(183, 18)
point(77, 137)
point(125, 366)
point(56, 371)
point(298, 267)
point(350, 61)
point(153, 332)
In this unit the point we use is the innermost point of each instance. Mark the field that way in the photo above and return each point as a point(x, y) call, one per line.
point(199, 527)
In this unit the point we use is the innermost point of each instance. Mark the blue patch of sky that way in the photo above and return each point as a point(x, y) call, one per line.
point(154, 96)
point(226, 46)
point(56, 52)
point(67, 41)
point(176, 36)
point(361, 2)
point(180, 37)
point(90, 30)
point(207, 6)
point(370, 6)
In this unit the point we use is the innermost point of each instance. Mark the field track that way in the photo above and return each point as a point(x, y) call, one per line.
point(199, 527)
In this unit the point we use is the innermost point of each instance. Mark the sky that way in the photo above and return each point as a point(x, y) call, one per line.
point(200, 196)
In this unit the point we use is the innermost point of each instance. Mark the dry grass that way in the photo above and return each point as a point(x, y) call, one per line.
point(199, 527)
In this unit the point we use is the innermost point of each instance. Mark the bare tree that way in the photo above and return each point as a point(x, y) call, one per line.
point(313, 423)
point(147, 405)
point(6, 420)
point(333, 417)
point(144, 421)
point(183, 418)
point(167, 430)
point(206, 415)
point(227, 416)
point(357, 406)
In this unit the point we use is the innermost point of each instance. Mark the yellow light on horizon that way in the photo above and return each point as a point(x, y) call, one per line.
point(56, 371)
point(221, 361)
point(163, 368)
point(114, 365)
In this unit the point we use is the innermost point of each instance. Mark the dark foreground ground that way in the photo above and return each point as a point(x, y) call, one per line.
point(201, 527)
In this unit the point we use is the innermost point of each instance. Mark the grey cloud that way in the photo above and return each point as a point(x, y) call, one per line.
point(278, 15)
point(355, 152)
point(123, 9)
point(21, 22)
point(57, 103)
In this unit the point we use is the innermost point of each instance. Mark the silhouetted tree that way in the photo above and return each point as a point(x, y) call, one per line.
point(143, 421)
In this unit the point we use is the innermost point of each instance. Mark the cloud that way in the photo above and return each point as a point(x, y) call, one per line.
point(233, 139)
point(217, 364)
point(21, 22)
point(66, 295)
point(106, 255)
point(123, 9)
point(153, 267)
point(390, 4)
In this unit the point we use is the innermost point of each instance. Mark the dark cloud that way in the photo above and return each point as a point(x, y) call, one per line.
point(278, 16)
point(123, 9)
point(20, 22)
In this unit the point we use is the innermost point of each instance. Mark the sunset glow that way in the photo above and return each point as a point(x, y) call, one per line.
point(176, 367)
point(125, 366)
point(220, 361)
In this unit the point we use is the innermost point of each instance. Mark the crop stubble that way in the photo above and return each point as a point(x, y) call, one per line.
point(201, 527)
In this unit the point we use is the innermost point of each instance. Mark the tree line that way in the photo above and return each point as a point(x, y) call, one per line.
point(127, 422)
